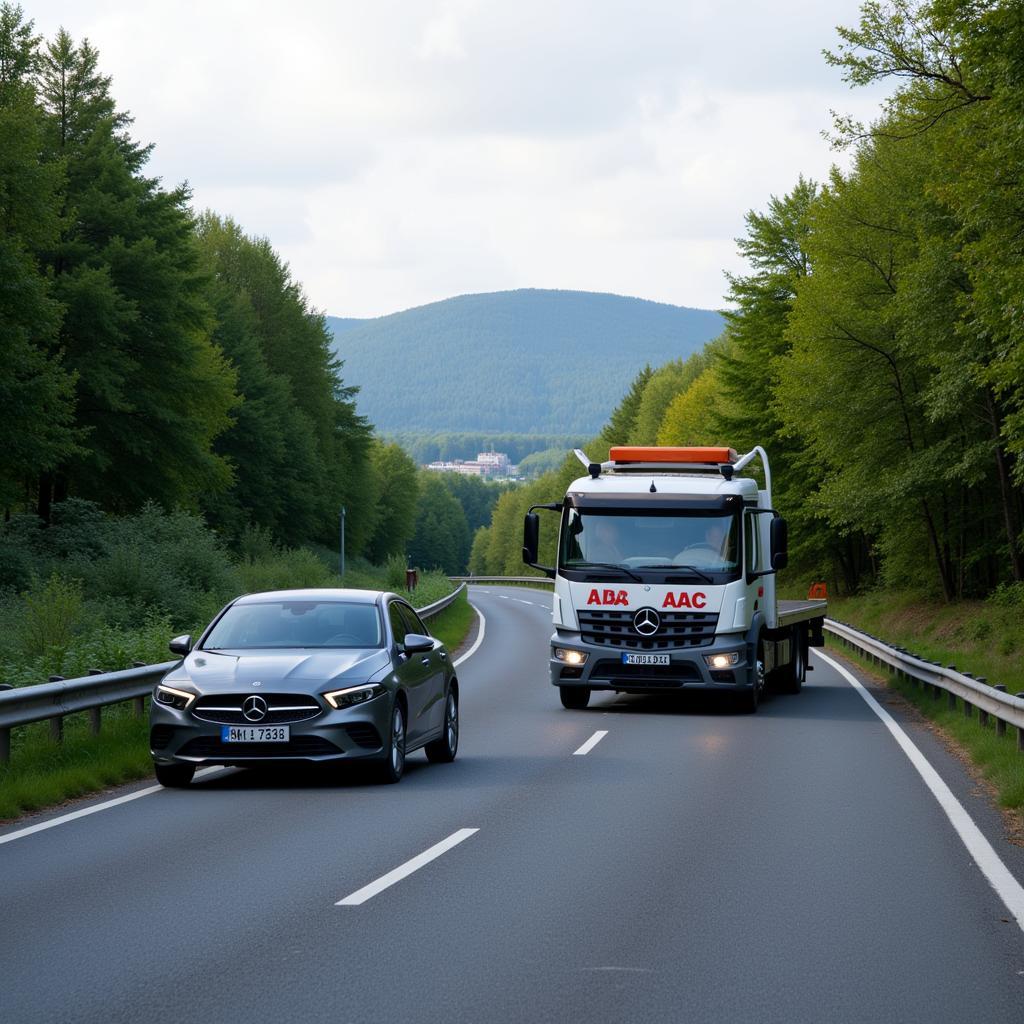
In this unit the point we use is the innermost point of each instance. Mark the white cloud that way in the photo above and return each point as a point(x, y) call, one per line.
point(406, 150)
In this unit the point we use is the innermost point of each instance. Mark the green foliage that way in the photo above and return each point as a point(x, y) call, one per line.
point(398, 494)
point(442, 537)
point(529, 361)
point(53, 610)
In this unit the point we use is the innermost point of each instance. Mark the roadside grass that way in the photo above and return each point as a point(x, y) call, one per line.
point(43, 773)
point(995, 757)
point(452, 626)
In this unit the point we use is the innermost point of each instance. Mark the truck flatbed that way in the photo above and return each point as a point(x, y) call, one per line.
point(791, 612)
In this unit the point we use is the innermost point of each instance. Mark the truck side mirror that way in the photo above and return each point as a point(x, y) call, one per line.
point(531, 537)
point(779, 542)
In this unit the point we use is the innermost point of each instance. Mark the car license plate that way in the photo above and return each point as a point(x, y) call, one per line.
point(254, 734)
point(645, 659)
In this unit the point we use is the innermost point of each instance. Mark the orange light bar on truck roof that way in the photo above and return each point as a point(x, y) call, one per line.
point(712, 456)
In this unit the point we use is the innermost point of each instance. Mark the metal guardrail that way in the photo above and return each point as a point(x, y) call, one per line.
point(53, 700)
point(974, 693)
point(529, 580)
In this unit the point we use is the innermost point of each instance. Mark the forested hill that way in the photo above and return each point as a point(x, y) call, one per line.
point(521, 361)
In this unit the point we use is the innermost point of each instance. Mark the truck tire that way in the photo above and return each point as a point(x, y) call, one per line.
point(748, 701)
point(575, 698)
point(790, 678)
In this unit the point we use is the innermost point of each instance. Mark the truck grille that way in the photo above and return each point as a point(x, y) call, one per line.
point(611, 672)
point(678, 630)
point(282, 708)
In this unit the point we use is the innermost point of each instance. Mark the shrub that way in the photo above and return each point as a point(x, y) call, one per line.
point(52, 611)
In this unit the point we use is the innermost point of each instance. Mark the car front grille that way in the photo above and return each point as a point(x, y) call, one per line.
point(677, 631)
point(282, 708)
point(297, 746)
point(613, 673)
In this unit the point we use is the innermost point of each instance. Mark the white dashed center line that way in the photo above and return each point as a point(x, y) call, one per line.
point(591, 743)
point(367, 892)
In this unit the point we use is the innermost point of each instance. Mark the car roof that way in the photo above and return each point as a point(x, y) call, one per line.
point(350, 596)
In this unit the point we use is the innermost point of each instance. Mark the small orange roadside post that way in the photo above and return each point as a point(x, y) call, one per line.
point(818, 592)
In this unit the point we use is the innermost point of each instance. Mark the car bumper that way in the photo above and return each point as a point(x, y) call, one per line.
point(687, 668)
point(351, 734)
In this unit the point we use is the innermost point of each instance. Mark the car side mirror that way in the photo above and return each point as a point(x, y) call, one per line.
point(416, 643)
point(181, 645)
point(779, 534)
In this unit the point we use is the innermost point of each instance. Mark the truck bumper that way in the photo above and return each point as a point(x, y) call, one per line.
point(604, 668)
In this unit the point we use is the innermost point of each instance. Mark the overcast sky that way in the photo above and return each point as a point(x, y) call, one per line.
point(401, 151)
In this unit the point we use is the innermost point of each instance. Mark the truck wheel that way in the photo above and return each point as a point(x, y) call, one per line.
point(575, 698)
point(749, 700)
point(791, 676)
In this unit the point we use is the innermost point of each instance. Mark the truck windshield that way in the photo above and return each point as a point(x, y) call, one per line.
point(675, 542)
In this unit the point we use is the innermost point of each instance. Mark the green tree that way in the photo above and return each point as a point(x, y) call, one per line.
point(397, 502)
point(442, 539)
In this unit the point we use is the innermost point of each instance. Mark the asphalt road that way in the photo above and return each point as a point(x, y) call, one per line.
point(691, 865)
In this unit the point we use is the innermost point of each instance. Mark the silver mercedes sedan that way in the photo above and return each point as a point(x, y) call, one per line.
point(306, 675)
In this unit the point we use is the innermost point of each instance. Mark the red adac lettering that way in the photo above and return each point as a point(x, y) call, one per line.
point(684, 600)
point(608, 597)
point(700, 600)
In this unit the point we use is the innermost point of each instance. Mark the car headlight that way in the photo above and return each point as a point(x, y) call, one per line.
point(726, 660)
point(180, 700)
point(570, 657)
point(352, 695)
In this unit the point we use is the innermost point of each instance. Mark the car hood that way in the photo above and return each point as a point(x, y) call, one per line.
point(293, 671)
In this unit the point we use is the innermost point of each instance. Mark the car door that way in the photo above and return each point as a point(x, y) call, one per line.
point(433, 708)
point(414, 673)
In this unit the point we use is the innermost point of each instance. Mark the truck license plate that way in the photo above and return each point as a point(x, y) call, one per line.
point(645, 659)
point(254, 734)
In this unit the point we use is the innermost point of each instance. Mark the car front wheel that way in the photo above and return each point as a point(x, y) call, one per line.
point(174, 776)
point(443, 750)
point(394, 764)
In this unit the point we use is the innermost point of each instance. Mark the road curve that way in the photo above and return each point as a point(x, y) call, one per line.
point(689, 864)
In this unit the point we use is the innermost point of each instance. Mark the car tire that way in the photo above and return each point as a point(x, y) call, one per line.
point(575, 698)
point(174, 776)
point(393, 765)
point(444, 749)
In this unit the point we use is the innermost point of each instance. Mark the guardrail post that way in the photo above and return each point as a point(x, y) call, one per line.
point(57, 722)
point(95, 714)
point(1020, 730)
point(1000, 724)
point(5, 745)
point(952, 701)
point(139, 703)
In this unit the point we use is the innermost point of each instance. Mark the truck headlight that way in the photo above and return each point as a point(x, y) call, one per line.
point(180, 700)
point(570, 657)
point(726, 660)
point(352, 695)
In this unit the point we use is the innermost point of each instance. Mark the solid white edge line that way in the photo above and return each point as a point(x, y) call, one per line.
point(367, 892)
point(479, 637)
point(86, 811)
point(1009, 890)
point(591, 743)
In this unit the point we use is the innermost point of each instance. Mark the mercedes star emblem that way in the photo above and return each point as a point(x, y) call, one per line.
point(646, 622)
point(254, 708)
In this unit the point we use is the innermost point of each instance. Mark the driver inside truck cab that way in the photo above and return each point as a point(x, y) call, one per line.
point(601, 540)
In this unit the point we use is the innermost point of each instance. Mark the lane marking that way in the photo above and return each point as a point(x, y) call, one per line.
point(591, 743)
point(1009, 890)
point(367, 892)
point(106, 805)
point(479, 637)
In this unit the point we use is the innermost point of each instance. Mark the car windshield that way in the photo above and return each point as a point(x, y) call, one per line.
point(706, 544)
point(270, 624)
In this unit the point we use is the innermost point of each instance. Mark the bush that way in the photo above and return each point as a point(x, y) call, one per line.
point(52, 612)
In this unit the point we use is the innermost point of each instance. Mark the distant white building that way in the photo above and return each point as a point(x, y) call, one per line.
point(493, 465)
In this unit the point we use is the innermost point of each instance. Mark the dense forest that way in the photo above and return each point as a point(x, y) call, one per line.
point(876, 345)
point(484, 363)
point(152, 355)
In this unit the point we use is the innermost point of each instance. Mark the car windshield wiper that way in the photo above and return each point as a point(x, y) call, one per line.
point(681, 568)
point(607, 565)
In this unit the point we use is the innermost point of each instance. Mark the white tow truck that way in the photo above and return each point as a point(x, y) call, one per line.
point(665, 579)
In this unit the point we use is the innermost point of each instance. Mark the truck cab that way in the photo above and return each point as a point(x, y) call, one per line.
point(665, 579)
